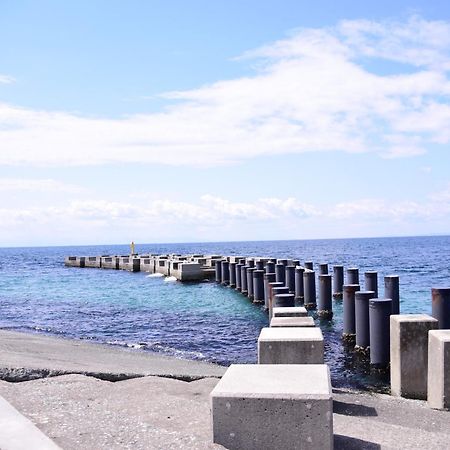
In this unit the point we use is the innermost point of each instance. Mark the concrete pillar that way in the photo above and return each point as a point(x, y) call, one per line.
point(309, 289)
point(392, 291)
point(270, 267)
point(250, 290)
point(379, 324)
point(268, 278)
point(244, 288)
point(232, 274)
point(282, 261)
point(349, 291)
point(299, 283)
point(259, 265)
point(280, 272)
point(439, 369)
point(258, 286)
point(296, 262)
point(273, 286)
point(338, 281)
point(250, 262)
point(82, 260)
point(225, 272)
point(352, 275)
point(283, 300)
point(371, 282)
point(218, 268)
point(324, 304)
point(362, 319)
point(238, 276)
point(323, 268)
point(309, 265)
point(290, 278)
point(242, 261)
point(409, 354)
point(440, 305)
point(136, 265)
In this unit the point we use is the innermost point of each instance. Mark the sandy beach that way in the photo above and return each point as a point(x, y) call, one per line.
point(70, 399)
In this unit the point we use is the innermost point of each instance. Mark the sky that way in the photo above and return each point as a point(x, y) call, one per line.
point(226, 120)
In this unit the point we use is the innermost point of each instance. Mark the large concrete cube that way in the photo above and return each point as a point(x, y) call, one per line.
point(439, 369)
point(289, 311)
point(292, 322)
point(293, 345)
point(409, 354)
point(259, 407)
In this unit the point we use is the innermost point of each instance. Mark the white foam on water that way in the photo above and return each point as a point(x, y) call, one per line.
point(170, 279)
point(155, 275)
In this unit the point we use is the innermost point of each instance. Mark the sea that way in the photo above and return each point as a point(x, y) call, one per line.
point(203, 321)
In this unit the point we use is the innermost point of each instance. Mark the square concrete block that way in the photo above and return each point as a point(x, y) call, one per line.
point(439, 369)
point(293, 345)
point(292, 322)
point(290, 311)
point(409, 354)
point(257, 407)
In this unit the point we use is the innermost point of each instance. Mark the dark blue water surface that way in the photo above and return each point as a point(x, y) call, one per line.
point(201, 320)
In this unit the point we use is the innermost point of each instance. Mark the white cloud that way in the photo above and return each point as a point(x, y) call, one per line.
point(5, 79)
point(38, 185)
point(312, 92)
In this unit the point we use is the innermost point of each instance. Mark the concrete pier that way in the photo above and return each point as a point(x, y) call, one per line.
point(218, 267)
point(268, 278)
point(362, 299)
point(283, 300)
point(324, 304)
point(392, 291)
point(280, 273)
point(290, 278)
point(93, 261)
point(323, 269)
point(309, 289)
point(309, 265)
point(244, 288)
point(110, 262)
point(299, 291)
point(349, 333)
point(270, 267)
point(409, 354)
point(250, 287)
point(352, 275)
point(338, 281)
point(238, 276)
point(379, 323)
point(225, 273)
point(440, 305)
point(258, 286)
point(439, 369)
point(232, 274)
point(371, 282)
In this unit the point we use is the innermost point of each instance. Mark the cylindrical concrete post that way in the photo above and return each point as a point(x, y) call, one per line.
point(379, 325)
point(323, 268)
point(324, 304)
point(283, 300)
point(232, 274)
point(273, 286)
point(282, 261)
point(238, 276)
point(268, 278)
point(242, 261)
point(259, 265)
point(371, 282)
point(362, 319)
point(250, 290)
point(258, 286)
point(338, 281)
point(250, 262)
point(309, 289)
point(352, 275)
point(290, 279)
point(295, 262)
point(270, 267)
point(309, 265)
point(392, 291)
point(225, 272)
point(218, 268)
point(349, 290)
point(244, 288)
point(299, 283)
point(280, 272)
point(440, 306)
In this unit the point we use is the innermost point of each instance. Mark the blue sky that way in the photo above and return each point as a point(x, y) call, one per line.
point(226, 120)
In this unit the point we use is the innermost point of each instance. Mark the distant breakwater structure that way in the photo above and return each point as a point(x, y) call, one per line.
point(279, 283)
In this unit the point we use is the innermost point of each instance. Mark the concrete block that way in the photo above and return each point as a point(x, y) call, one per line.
point(409, 354)
point(292, 322)
point(290, 345)
point(295, 311)
point(110, 262)
point(261, 407)
point(439, 369)
point(93, 261)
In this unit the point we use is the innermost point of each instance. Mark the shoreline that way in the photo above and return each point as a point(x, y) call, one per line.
point(29, 356)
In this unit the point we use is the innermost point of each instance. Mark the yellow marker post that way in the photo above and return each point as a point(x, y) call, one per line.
point(132, 249)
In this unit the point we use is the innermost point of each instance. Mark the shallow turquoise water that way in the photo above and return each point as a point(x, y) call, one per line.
point(200, 320)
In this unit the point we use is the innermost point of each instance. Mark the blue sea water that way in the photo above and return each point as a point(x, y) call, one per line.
point(201, 320)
